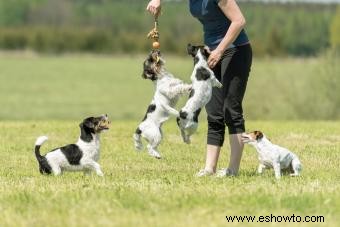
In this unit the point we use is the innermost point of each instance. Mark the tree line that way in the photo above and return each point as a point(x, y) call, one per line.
point(113, 26)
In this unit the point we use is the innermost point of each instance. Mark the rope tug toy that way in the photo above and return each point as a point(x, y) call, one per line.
point(154, 35)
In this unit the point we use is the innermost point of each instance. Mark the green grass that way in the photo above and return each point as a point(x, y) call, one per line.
point(138, 190)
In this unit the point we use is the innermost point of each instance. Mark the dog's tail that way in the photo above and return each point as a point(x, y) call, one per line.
point(44, 167)
point(40, 141)
point(138, 139)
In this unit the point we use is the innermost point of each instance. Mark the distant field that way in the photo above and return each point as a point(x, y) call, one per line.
point(71, 87)
point(138, 190)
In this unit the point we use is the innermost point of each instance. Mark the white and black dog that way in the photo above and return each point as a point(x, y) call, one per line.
point(81, 156)
point(272, 156)
point(203, 80)
point(168, 91)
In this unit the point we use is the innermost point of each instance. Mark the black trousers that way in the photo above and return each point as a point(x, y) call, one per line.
point(225, 106)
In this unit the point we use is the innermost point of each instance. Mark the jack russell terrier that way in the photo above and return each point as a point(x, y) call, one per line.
point(168, 91)
point(272, 156)
point(203, 80)
point(81, 156)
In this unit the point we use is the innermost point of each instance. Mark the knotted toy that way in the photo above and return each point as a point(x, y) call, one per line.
point(154, 35)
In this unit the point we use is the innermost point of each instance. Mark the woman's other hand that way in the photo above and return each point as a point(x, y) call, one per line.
point(214, 58)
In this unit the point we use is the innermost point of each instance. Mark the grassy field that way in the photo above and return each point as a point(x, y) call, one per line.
point(72, 87)
point(51, 94)
point(138, 190)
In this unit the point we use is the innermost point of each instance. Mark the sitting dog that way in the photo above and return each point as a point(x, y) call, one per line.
point(82, 156)
point(203, 80)
point(272, 156)
point(168, 91)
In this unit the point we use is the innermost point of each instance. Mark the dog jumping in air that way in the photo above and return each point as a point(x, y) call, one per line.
point(203, 80)
point(168, 91)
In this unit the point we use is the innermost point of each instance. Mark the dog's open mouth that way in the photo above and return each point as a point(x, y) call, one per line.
point(156, 57)
point(245, 139)
point(103, 125)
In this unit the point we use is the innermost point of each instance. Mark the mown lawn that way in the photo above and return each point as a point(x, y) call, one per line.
point(138, 190)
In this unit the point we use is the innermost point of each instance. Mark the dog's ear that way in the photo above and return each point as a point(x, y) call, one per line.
point(192, 50)
point(206, 52)
point(88, 123)
point(148, 72)
point(258, 135)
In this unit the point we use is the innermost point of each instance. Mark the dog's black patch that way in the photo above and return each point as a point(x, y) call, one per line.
point(196, 114)
point(148, 73)
point(192, 93)
point(205, 53)
point(202, 74)
point(72, 153)
point(138, 131)
point(178, 120)
point(160, 130)
point(86, 132)
point(151, 108)
point(183, 114)
point(44, 167)
point(196, 60)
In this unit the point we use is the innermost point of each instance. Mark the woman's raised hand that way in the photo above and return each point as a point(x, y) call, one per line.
point(154, 7)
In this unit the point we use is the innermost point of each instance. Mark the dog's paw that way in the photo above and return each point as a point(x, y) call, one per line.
point(175, 113)
point(188, 88)
point(216, 83)
point(100, 174)
point(278, 177)
point(155, 154)
point(139, 147)
point(187, 140)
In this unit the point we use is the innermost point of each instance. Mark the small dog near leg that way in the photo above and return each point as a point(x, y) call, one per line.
point(272, 156)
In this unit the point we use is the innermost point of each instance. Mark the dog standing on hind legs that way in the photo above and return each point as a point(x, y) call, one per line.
point(81, 156)
point(168, 91)
point(203, 80)
point(272, 156)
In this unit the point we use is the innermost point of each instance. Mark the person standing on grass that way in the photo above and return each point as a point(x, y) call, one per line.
point(230, 59)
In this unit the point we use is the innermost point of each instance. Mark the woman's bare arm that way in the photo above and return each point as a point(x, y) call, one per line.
point(234, 14)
